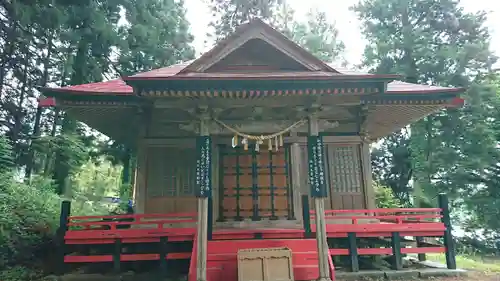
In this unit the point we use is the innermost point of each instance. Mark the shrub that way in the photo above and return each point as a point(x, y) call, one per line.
point(384, 197)
point(28, 218)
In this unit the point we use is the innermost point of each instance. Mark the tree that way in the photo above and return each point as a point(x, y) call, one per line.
point(145, 48)
point(229, 14)
point(433, 42)
point(318, 36)
point(315, 34)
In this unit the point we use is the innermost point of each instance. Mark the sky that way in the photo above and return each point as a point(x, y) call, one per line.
point(338, 12)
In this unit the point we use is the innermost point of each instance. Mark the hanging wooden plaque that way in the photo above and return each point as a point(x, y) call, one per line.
point(317, 179)
point(204, 166)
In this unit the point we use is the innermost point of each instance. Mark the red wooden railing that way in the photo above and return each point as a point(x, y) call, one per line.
point(393, 223)
point(114, 222)
point(398, 216)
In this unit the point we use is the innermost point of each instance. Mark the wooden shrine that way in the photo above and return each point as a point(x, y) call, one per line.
point(248, 136)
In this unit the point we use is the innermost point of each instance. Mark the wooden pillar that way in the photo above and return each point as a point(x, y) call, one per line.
point(139, 193)
point(202, 237)
point(319, 207)
point(295, 159)
point(366, 166)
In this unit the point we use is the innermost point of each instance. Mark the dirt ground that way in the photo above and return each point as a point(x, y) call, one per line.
point(471, 276)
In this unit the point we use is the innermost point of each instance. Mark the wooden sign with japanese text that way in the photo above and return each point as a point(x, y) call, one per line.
point(317, 179)
point(203, 166)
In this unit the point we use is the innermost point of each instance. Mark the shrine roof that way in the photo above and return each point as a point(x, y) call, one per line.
point(254, 52)
point(118, 87)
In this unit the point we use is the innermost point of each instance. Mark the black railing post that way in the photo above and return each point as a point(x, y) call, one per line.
point(420, 241)
point(353, 251)
point(61, 232)
point(306, 216)
point(210, 215)
point(396, 251)
point(163, 255)
point(117, 252)
point(449, 244)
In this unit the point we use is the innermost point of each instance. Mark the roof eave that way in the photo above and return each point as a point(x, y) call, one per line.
point(458, 90)
point(61, 92)
point(369, 77)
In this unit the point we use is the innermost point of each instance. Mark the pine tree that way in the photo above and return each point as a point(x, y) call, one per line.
point(156, 35)
point(316, 34)
point(433, 42)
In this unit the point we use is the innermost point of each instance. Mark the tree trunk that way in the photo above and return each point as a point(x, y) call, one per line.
point(19, 112)
point(36, 128)
point(61, 168)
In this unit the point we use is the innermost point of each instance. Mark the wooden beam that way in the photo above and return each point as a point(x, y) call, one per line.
point(202, 225)
point(296, 171)
point(269, 102)
point(256, 127)
point(326, 139)
point(366, 172)
point(319, 206)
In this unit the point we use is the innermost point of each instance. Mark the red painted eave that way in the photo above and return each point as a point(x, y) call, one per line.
point(456, 103)
point(116, 87)
point(46, 102)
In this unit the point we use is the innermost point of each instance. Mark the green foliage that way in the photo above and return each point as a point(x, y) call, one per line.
point(6, 159)
point(97, 179)
point(29, 215)
point(452, 150)
point(56, 42)
point(316, 34)
point(384, 197)
point(20, 273)
point(144, 48)
point(28, 218)
point(229, 14)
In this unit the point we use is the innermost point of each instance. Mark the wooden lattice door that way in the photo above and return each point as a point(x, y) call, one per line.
point(254, 184)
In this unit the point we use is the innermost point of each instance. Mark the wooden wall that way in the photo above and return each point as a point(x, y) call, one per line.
point(168, 173)
point(170, 180)
point(348, 169)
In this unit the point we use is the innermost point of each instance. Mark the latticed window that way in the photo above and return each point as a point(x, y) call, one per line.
point(345, 168)
point(171, 171)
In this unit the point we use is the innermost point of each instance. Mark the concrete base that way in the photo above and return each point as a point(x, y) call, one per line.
point(436, 272)
point(402, 275)
point(360, 275)
point(411, 274)
point(121, 277)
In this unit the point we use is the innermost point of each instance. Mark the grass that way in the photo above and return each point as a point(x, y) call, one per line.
point(475, 263)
